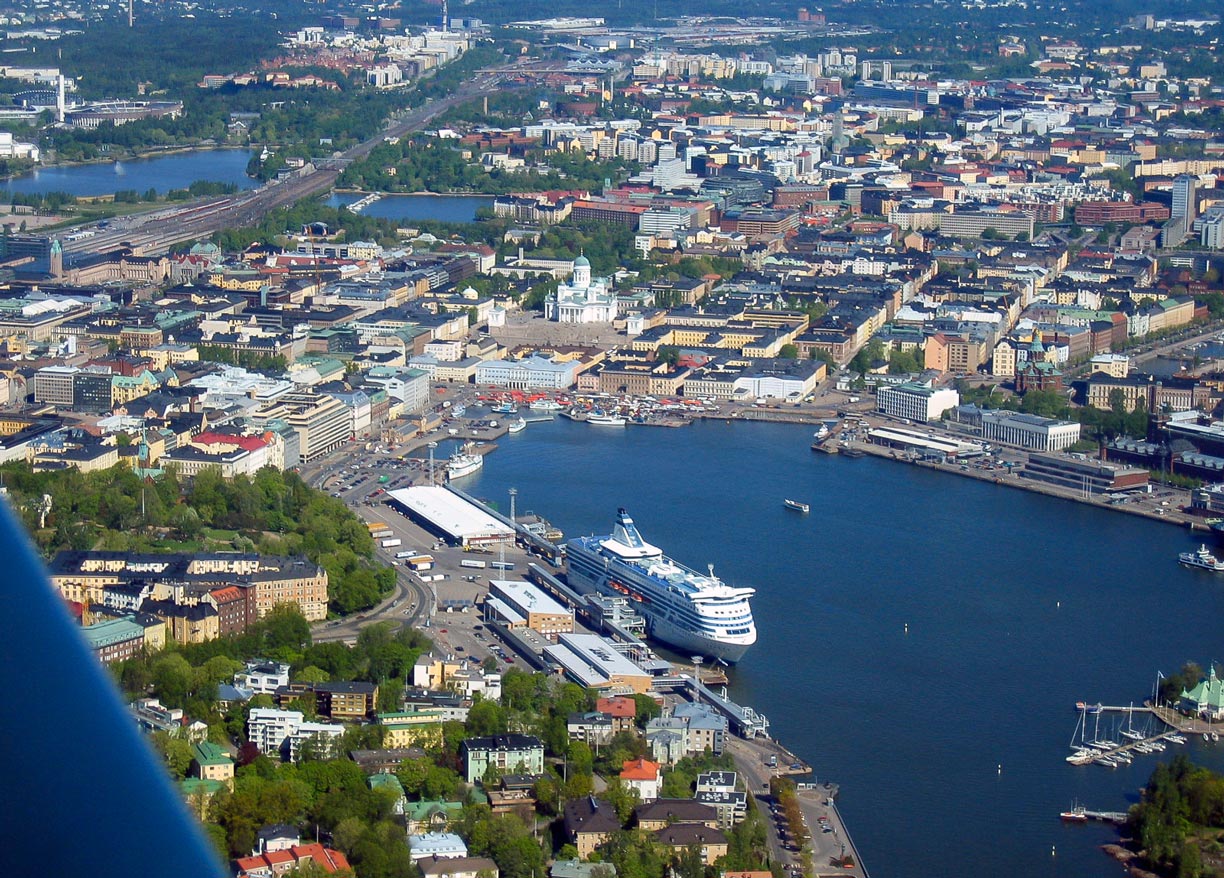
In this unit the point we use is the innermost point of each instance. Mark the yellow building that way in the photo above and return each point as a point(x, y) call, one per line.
point(414, 728)
point(125, 388)
point(211, 762)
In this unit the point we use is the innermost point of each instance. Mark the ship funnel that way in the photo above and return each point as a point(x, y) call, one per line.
point(626, 532)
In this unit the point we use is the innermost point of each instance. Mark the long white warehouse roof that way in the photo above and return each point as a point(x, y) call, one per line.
point(448, 512)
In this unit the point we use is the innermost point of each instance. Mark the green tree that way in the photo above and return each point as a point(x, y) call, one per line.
point(635, 854)
point(311, 674)
point(486, 718)
point(789, 352)
point(285, 628)
point(623, 799)
point(175, 752)
point(646, 709)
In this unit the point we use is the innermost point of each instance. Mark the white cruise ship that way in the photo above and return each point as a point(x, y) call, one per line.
point(697, 614)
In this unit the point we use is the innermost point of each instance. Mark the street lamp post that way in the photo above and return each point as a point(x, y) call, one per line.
point(432, 446)
point(501, 549)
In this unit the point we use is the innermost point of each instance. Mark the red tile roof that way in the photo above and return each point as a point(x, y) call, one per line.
point(325, 858)
point(640, 769)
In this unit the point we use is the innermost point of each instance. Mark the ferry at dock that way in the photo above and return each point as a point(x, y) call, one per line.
point(697, 614)
point(463, 463)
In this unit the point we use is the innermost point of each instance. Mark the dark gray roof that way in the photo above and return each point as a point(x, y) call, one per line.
point(503, 742)
point(590, 815)
point(682, 810)
point(685, 834)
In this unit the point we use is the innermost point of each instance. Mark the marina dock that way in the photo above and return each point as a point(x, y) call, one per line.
point(1094, 753)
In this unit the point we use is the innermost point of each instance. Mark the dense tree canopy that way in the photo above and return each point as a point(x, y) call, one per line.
point(274, 513)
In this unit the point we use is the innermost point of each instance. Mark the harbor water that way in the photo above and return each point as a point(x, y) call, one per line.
point(443, 208)
point(923, 638)
point(175, 171)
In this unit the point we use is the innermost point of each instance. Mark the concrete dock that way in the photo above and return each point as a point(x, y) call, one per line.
point(1168, 515)
point(828, 847)
point(1187, 725)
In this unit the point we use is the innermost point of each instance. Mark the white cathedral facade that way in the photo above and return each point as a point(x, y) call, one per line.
point(584, 299)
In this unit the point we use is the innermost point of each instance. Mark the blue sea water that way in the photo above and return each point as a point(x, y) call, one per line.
point(948, 736)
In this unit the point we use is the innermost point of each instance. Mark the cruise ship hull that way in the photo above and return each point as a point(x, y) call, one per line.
point(690, 644)
point(660, 628)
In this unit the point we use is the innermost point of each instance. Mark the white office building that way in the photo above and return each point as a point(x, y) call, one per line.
point(1029, 431)
point(664, 220)
point(529, 372)
point(916, 402)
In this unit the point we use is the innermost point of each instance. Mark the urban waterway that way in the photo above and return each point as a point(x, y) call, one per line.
point(949, 735)
point(174, 171)
point(443, 208)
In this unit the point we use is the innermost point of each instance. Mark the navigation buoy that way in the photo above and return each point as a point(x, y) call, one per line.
point(1000, 768)
point(1052, 850)
point(1058, 604)
point(907, 627)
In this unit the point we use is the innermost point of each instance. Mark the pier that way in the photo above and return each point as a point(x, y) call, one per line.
point(1013, 479)
point(1118, 817)
point(744, 721)
point(363, 202)
point(1186, 725)
point(1107, 752)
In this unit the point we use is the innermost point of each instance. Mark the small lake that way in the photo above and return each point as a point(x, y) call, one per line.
point(177, 171)
point(443, 208)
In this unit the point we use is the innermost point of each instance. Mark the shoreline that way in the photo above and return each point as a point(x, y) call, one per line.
point(383, 194)
point(151, 155)
point(1016, 480)
point(802, 418)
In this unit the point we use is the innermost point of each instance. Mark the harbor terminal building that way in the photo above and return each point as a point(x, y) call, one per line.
point(449, 516)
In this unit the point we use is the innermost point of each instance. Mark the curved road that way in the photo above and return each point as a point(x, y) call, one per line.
point(408, 591)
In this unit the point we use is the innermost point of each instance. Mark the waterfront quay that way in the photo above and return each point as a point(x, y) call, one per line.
point(1186, 725)
point(817, 801)
point(1166, 504)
